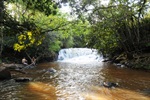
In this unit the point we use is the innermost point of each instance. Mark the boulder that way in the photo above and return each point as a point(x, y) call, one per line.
point(4, 73)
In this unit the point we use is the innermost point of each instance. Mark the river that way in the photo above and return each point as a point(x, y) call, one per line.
point(78, 76)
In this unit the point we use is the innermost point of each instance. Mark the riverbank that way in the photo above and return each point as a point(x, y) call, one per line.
point(130, 60)
point(135, 61)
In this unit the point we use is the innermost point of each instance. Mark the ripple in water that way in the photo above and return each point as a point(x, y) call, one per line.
point(78, 78)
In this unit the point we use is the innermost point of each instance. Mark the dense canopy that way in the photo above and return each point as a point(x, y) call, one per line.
point(38, 28)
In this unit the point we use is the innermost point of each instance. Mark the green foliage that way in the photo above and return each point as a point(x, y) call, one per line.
point(39, 33)
point(103, 39)
point(55, 46)
point(116, 25)
point(37, 28)
point(33, 25)
point(76, 33)
point(48, 7)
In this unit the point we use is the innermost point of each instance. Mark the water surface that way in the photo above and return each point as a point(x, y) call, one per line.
point(78, 80)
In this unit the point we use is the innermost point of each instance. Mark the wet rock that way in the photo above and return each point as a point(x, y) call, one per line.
point(51, 70)
point(120, 65)
point(146, 91)
point(29, 67)
point(22, 79)
point(13, 66)
point(19, 71)
point(106, 60)
point(61, 58)
point(4, 73)
point(128, 64)
point(110, 84)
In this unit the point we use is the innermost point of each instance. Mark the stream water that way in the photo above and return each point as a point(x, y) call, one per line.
point(77, 75)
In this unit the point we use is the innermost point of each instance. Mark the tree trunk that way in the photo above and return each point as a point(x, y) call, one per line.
point(1, 25)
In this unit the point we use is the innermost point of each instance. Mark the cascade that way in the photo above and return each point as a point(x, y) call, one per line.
point(79, 55)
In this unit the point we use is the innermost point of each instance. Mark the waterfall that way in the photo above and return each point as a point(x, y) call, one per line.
point(79, 55)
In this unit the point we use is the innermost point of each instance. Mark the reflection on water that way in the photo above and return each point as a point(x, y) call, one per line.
point(101, 93)
point(42, 90)
point(73, 81)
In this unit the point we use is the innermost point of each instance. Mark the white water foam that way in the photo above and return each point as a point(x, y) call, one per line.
point(79, 55)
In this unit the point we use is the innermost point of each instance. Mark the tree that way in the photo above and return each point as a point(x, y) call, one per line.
point(113, 26)
point(20, 25)
point(40, 29)
point(117, 25)
point(1, 25)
